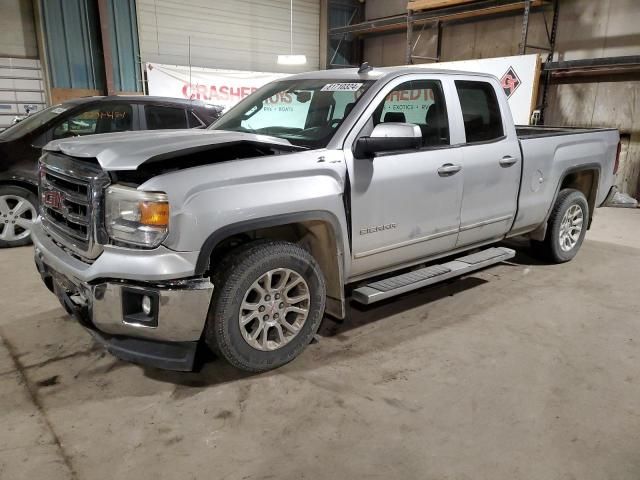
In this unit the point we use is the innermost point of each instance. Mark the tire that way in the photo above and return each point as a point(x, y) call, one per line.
point(558, 247)
point(15, 225)
point(237, 284)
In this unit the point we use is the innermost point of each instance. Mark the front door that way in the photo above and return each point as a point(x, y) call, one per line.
point(405, 205)
point(492, 162)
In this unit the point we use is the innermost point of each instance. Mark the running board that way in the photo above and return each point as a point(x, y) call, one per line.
point(392, 286)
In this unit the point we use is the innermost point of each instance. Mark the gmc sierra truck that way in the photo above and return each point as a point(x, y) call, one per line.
point(243, 236)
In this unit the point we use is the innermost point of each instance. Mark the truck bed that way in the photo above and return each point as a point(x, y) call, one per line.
point(549, 155)
point(534, 131)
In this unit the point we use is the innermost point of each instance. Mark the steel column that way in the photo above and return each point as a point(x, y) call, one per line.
point(103, 12)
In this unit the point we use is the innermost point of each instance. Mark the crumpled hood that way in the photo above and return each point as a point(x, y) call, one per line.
point(129, 150)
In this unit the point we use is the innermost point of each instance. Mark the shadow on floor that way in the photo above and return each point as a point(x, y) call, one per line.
point(215, 371)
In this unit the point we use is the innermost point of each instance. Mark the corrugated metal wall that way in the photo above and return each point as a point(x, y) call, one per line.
point(124, 45)
point(72, 35)
point(229, 34)
point(74, 47)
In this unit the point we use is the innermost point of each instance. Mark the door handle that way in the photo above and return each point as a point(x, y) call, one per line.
point(508, 161)
point(449, 169)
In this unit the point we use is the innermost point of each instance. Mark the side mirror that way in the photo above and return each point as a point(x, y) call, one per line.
point(388, 137)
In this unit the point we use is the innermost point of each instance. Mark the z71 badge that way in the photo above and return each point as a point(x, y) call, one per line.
point(379, 228)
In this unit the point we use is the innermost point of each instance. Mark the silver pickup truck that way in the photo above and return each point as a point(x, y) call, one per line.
point(243, 236)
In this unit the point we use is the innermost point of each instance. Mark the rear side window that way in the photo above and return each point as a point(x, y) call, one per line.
point(159, 118)
point(480, 111)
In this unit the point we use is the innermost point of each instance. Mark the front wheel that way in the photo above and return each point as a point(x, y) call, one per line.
point(17, 213)
point(268, 302)
point(567, 227)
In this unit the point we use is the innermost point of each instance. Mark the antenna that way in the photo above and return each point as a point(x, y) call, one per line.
point(365, 67)
point(190, 83)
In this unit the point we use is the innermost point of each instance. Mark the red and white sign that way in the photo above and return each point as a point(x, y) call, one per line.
point(218, 87)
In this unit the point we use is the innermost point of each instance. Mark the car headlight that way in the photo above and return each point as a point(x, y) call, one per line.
point(136, 217)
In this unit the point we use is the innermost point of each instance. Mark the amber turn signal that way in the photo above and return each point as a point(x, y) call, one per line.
point(154, 214)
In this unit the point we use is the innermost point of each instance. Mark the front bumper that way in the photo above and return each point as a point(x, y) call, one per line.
point(167, 338)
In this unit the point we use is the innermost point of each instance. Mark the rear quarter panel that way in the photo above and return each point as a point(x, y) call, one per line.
point(547, 160)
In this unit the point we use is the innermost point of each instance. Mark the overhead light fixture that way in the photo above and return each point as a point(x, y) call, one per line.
point(291, 59)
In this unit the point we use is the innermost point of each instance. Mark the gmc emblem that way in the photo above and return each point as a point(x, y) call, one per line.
point(53, 199)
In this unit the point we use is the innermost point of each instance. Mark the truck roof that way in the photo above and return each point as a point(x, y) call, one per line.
point(376, 73)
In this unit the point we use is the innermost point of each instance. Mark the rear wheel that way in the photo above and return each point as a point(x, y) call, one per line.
point(567, 227)
point(269, 300)
point(17, 213)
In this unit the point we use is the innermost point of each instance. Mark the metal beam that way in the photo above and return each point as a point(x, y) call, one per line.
point(602, 63)
point(457, 14)
point(103, 12)
point(525, 27)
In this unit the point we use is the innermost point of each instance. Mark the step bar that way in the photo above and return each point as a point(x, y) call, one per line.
point(392, 286)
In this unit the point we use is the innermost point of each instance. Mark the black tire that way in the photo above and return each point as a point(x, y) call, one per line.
point(13, 192)
point(550, 248)
point(234, 277)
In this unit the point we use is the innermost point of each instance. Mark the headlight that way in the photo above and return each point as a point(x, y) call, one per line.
point(136, 217)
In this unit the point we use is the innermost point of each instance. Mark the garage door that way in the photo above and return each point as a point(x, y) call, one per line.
point(228, 34)
point(21, 86)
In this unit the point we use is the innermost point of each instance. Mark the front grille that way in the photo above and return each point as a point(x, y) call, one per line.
point(71, 202)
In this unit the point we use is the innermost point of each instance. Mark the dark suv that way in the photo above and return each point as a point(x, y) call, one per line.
point(21, 143)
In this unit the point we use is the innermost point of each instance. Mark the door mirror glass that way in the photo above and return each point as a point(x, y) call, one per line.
point(387, 137)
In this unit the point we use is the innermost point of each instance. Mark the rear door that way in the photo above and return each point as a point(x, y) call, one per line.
point(491, 160)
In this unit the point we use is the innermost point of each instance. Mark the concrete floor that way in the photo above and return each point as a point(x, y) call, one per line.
point(521, 371)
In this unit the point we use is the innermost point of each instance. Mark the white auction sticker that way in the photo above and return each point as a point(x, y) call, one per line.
point(59, 110)
point(341, 87)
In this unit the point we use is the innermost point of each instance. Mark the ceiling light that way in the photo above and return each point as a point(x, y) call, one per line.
point(292, 59)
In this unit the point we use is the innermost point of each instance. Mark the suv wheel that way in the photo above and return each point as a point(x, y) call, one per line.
point(17, 213)
point(566, 229)
point(268, 302)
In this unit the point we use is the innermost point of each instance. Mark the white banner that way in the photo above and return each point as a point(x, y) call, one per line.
point(518, 75)
point(218, 87)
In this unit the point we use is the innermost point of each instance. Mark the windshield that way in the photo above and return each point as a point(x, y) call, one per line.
point(30, 123)
point(305, 112)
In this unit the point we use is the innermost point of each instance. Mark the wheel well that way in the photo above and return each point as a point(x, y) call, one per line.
point(585, 181)
point(21, 183)
point(315, 236)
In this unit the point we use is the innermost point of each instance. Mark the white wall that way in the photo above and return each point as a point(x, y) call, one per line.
point(17, 29)
point(228, 34)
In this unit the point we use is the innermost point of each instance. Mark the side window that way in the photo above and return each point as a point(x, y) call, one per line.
point(159, 117)
point(480, 111)
point(106, 118)
point(422, 103)
point(82, 123)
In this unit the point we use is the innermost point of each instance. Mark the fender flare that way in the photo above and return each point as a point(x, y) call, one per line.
point(588, 166)
point(265, 222)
